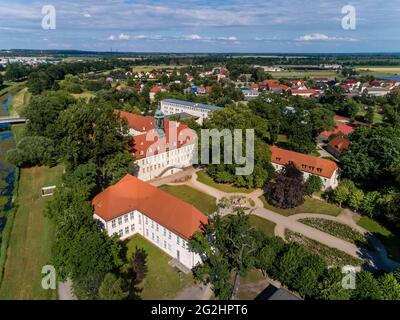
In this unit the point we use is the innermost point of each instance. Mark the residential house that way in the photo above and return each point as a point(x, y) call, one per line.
point(327, 170)
point(337, 145)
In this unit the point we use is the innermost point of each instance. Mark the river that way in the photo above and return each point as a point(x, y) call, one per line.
point(7, 170)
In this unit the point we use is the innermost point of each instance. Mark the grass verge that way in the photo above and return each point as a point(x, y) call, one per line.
point(162, 281)
point(203, 177)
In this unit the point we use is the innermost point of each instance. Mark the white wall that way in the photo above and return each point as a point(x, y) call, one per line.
point(135, 222)
point(328, 183)
point(169, 108)
point(151, 167)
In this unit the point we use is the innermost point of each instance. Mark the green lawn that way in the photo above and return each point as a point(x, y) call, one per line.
point(388, 239)
point(18, 131)
point(86, 95)
point(262, 224)
point(294, 74)
point(31, 239)
point(310, 205)
point(203, 177)
point(203, 202)
point(162, 281)
point(19, 101)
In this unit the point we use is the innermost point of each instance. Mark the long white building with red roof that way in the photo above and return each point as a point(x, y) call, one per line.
point(327, 170)
point(132, 206)
point(160, 147)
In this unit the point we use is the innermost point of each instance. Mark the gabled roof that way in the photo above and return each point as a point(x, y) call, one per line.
point(340, 128)
point(339, 144)
point(130, 194)
point(177, 135)
point(304, 162)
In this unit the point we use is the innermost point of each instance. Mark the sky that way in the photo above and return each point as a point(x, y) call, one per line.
point(237, 26)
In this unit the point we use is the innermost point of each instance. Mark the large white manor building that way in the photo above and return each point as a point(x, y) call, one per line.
point(132, 206)
point(198, 110)
point(327, 170)
point(160, 147)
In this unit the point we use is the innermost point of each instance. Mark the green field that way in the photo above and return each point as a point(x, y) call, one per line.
point(162, 281)
point(262, 224)
point(304, 74)
point(203, 177)
point(310, 205)
point(31, 239)
point(203, 202)
point(379, 70)
point(388, 239)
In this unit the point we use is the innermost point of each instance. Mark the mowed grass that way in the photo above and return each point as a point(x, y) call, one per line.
point(262, 224)
point(31, 240)
point(204, 202)
point(18, 131)
point(310, 205)
point(203, 177)
point(162, 281)
point(389, 240)
point(19, 101)
point(251, 285)
point(86, 95)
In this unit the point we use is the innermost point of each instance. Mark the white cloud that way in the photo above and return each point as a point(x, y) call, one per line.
point(87, 15)
point(112, 38)
point(228, 38)
point(323, 37)
point(123, 36)
point(194, 37)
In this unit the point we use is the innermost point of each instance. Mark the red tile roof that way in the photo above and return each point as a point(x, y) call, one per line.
point(339, 144)
point(177, 135)
point(155, 89)
point(130, 194)
point(304, 162)
point(340, 128)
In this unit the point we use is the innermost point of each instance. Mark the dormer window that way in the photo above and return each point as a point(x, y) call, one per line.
point(311, 168)
point(319, 169)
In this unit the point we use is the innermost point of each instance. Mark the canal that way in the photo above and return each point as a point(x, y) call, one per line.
point(7, 170)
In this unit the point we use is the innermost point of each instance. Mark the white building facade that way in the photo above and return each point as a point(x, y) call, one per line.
point(198, 110)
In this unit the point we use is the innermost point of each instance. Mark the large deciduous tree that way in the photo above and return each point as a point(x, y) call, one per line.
point(288, 189)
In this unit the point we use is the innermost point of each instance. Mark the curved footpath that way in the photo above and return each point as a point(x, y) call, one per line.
point(377, 259)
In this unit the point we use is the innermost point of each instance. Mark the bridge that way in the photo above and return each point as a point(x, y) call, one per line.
point(12, 120)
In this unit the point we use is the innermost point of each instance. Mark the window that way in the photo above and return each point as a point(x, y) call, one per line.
point(132, 215)
point(126, 230)
point(126, 218)
point(152, 236)
point(132, 227)
point(120, 220)
point(113, 223)
point(183, 244)
point(165, 232)
point(158, 239)
point(121, 232)
point(152, 224)
point(178, 240)
point(165, 244)
point(157, 227)
point(169, 235)
point(147, 221)
point(147, 232)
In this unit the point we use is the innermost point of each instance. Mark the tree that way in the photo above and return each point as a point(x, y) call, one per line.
point(356, 199)
point(138, 264)
point(367, 287)
point(372, 154)
point(288, 190)
point(342, 193)
point(330, 286)
point(39, 81)
point(32, 151)
point(112, 288)
point(229, 247)
point(390, 288)
point(313, 184)
point(15, 71)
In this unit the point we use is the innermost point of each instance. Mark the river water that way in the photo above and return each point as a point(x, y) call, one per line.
point(7, 170)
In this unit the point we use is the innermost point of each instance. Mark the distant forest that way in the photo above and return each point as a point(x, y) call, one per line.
point(372, 59)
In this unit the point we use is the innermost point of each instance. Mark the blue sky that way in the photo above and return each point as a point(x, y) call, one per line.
point(202, 26)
